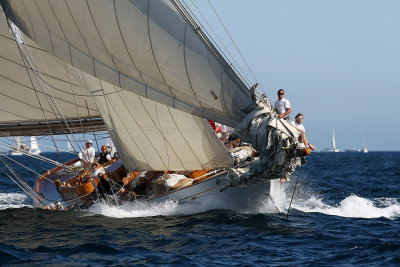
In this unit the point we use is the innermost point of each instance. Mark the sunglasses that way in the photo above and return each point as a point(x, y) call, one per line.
point(299, 118)
point(281, 93)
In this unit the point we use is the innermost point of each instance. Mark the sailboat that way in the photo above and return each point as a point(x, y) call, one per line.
point(364, 149)
point(35, 150)
point(19, 149)
point(334, 149)
point(70, 148)
point(145, 72)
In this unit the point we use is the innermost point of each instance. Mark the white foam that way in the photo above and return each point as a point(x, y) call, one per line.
point(275, 203)
point(353, 206)
point(143, 209)
point(12, 200)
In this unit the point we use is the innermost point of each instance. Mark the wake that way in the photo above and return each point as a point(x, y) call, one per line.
point(352, 206)
point(13, 201)
point(143, 209)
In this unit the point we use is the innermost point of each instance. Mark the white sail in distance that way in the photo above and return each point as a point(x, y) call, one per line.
point(334, 149)
point(35, 150)
point(70, 148)
point(364, 148)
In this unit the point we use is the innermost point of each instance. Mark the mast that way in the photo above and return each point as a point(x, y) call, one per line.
point(18, 141)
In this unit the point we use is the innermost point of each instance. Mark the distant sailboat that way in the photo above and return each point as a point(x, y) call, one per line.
point(35, 150)
point(70, 147)
point(19, 149)
point(334, 149)
point(364, 149)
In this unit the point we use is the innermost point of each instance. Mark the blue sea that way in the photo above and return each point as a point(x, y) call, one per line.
point(345, 211)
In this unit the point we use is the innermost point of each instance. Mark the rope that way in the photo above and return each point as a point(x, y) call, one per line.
point(297, 179)
point(247, 80)
point(22, 184)
point(227, 32)
point(34, 156)
point(35, 73)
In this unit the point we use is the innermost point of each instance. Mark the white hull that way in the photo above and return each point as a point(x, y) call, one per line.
point(20, 153)
point(214, 191)
point(15, 153)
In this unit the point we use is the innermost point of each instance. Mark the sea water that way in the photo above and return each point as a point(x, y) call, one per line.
point(345, 211)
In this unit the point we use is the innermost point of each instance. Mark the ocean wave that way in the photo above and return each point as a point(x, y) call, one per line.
point(13, 201)
point(353, 206)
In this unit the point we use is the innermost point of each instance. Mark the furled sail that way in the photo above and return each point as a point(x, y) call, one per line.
point(39, 91)
point(153, 136)
point(150, 48)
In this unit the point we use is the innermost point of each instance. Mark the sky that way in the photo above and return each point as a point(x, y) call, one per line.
point(338, 61)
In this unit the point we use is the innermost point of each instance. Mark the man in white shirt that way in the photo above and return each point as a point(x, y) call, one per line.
point(298, 123)
point(282, 106)
point(86, 155)
point(303, 143)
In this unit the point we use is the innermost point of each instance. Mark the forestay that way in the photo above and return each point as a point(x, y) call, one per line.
point(36, 87)
point(151, 48)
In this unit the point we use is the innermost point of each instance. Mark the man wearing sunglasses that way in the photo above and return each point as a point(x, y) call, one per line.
point(298, 123)
point(282, 106)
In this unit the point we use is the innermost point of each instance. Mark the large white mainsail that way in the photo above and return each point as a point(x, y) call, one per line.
point(167, 61)
point(146, 47)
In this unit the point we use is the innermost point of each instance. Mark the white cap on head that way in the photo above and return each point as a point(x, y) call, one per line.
point(89, 141)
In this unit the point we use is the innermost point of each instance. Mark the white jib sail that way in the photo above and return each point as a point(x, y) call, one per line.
point(35, 146)
point(152, 136)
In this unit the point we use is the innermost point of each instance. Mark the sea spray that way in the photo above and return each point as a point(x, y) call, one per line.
point(353, 206)
point(13, 200)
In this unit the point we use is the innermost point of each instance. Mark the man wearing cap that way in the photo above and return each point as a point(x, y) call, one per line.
point(282, 106)
point(87, 153)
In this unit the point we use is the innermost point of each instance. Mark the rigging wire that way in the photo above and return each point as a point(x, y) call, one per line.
point(50, 94)
point(87, 108)
point(237, 48)
point(29, 169)
point(294, 190)
point(22, 184)
point(25, 59)
point(35, 156)
point(241, 73)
